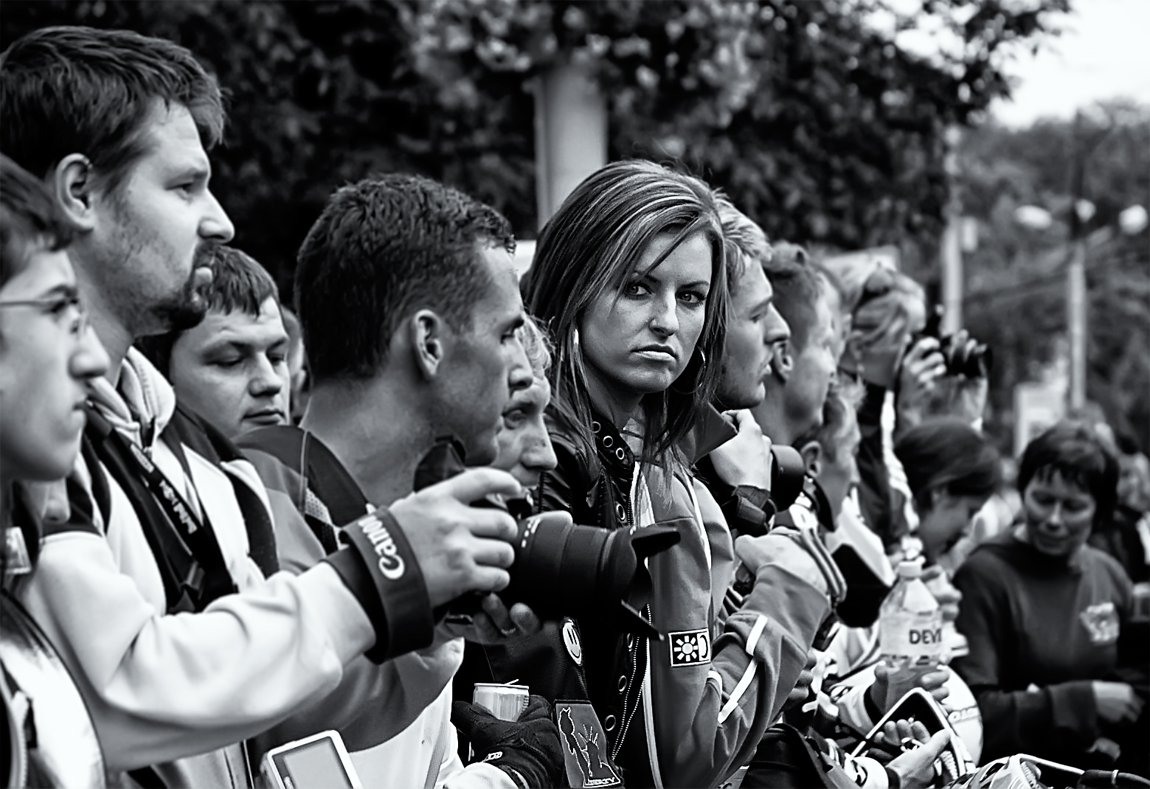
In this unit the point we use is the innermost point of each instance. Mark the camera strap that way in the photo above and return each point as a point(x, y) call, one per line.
point(183, 544)
point(328, 494)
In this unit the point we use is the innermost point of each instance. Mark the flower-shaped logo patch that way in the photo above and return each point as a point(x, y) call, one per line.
point(690, 648)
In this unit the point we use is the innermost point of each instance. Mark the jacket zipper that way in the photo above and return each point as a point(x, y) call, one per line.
point(632, 699)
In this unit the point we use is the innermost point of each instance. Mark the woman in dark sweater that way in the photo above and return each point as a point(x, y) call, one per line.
point(1044, 614)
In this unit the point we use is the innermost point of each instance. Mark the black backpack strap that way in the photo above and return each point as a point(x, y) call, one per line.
point(322, 474)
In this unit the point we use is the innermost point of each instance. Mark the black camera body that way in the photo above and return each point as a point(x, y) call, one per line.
point(561, 568)
point(966, 357)
point(788, 475)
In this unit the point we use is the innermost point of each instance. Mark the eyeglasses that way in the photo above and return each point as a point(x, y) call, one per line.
point(59, 307)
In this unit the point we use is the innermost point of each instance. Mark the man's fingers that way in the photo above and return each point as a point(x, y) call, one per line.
point(492, 553)
point(473, 484)
point(890, 732)
point(745, 422)
point(924, 347)
point(933, 680)
point(936, 744)
point(490, 579)
point(491, 524)
point(919, 731)
point(524, 619)
point(494, 608)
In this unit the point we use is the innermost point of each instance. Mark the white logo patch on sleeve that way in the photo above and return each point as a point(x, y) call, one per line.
point(690, 648)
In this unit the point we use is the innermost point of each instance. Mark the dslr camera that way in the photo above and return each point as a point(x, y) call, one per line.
point(964, 356)
point(561, 568)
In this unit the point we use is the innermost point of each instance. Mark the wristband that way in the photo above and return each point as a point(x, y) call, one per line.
point(381, 570)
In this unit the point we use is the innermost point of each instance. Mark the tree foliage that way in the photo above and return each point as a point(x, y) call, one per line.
point(810, 113)
point(821, 118)
point(1017, 277)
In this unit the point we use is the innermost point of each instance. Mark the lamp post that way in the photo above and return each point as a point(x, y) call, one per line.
point(951, 248)
point(1081, 212)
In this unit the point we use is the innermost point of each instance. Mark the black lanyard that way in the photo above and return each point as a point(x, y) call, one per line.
point(184, 546)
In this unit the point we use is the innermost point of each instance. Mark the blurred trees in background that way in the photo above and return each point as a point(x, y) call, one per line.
point(808, 112)
point(1016, 279)
point(821, 118)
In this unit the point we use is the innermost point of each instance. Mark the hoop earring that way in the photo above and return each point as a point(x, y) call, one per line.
point(575, 337)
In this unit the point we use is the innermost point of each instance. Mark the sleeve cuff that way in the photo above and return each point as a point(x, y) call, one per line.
point(1073, 708)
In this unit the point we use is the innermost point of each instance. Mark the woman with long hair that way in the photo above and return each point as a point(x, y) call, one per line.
point(629, 276)
point(600, 269)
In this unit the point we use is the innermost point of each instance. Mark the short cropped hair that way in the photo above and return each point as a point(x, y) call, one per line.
point(382, 249)
point(839, 414)
point(66, 90)
point(29, 219)
point(239, 284)
point(744, 242)
point(798, 288)
point(948, 453)
point(1077, 453)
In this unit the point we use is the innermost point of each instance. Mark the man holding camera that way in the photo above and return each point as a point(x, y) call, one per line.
point(152, 580)
point(410, 310)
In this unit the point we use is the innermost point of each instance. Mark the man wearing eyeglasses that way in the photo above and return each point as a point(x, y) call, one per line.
point(159, 589)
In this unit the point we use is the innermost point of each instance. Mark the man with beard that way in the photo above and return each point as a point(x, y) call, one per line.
point(153, 581)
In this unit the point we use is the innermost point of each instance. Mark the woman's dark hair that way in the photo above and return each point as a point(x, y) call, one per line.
point(590, 248)
point(1076, 452)
point(951, 455)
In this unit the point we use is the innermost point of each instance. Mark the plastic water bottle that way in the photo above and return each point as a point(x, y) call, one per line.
point(910, 631)
point(954, 643)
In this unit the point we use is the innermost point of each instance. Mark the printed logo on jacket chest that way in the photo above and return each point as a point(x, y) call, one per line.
point(1101, 622)
point(571, 641)
point(690, 648)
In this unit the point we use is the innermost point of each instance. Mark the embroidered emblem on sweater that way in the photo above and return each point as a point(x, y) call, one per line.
point(1101, 623)
point(690, 648)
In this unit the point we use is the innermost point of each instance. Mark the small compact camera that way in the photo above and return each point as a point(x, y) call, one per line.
point(316, 762)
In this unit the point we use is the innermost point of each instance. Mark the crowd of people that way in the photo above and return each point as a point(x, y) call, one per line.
point(220, 536)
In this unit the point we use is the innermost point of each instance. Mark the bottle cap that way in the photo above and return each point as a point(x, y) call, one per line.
point(910, 568)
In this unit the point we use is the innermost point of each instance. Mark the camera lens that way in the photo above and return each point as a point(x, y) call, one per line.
point(566, 569)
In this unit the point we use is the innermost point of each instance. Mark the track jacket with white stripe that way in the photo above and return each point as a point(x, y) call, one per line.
point(690, 710)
